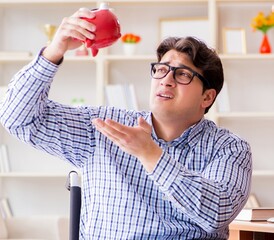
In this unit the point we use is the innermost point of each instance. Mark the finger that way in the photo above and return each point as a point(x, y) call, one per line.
point(84, 13)
point(100, 126)
point(77, 28)
point(144, 125)
point(108, 134)
point(77, 25)
point(81, 24)
point(109, 128)
point(117, 126)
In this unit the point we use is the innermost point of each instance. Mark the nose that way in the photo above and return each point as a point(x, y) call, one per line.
point(168, 80)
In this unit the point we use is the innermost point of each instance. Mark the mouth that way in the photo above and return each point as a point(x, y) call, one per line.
point(165, 95)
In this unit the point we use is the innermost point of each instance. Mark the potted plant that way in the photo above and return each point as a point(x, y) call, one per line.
point(130, 41)
point(263, 23)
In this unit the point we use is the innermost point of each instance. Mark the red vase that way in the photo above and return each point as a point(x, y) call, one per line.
point(265, 45)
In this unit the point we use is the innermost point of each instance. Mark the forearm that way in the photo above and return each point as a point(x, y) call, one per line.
point(52, 127)
point(27, 94)
point(207, 198)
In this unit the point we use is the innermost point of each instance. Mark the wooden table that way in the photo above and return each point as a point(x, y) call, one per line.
point(244, 230)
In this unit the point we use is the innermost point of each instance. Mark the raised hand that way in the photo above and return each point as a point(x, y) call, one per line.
point(133, 140)
point(71, 33)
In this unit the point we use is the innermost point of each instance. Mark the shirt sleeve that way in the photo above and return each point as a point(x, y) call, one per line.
point(211, 198)
point(28, 114)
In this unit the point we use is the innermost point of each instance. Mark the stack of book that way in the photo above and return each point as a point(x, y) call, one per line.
point(121, 96)
point(256, 214)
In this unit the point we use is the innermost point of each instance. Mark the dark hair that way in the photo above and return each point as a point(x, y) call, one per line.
point(202, 56)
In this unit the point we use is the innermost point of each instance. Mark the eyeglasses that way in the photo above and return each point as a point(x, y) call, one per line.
point(182, 75)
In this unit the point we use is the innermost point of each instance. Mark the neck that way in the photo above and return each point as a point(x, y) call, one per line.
point(169, 130)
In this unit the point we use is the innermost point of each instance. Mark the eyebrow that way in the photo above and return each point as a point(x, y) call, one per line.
point(180, 65)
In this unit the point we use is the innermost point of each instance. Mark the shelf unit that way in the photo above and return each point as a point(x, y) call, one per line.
point(248, 76)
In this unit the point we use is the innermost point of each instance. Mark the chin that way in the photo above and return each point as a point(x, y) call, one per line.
point(161, 111)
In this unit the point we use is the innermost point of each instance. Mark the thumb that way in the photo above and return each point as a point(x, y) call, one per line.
point(144, 125)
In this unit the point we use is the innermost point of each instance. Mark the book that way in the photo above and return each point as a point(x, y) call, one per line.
point(4, 159)
point(255, 214)
point(132, 102)
point(121, 96)
point(5, 208)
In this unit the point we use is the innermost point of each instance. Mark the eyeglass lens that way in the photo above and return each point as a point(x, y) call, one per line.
point(182, 75)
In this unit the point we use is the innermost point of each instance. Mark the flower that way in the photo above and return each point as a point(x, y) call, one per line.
point(262, 22)
point(130, 38)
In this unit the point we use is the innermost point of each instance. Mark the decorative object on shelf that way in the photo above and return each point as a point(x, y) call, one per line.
point(49, 30)
point(182, 27)
point(107, 29)
point(77, 102)
point(265, 45)
point(234, 41)
point(130, 43)
point(263, 23)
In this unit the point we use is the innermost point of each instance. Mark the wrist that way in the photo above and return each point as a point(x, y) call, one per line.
point(52, 55)
point(151, 158)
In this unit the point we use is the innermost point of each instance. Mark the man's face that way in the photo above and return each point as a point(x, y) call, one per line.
point(172, 101)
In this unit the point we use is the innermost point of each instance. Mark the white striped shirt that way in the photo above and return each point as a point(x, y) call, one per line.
point(200, 183)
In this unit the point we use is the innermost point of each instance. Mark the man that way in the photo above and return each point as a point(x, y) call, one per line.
point(164, 174)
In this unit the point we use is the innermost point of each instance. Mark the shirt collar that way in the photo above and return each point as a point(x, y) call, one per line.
point(191, 135)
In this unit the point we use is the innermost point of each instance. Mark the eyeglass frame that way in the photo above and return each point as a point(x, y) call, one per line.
point(173, 69)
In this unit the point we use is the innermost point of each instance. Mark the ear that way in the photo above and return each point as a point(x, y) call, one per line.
point(209, 96)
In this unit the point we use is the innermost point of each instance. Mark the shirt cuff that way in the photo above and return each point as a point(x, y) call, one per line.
point(165, 172)
point(42, 69)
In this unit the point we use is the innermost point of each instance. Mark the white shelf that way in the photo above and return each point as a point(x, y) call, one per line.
point(247, 56)
point(122, 1)
point(244, 1)
point(245, 115)
point(112, 57)
point(32, 175)
point(94, 1)
point(11, 2)
point(263, 173)
point(130, 58)
point(121, 57)
point(13, 59)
